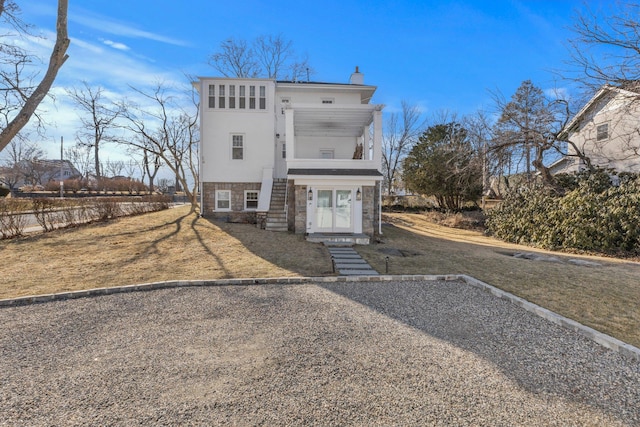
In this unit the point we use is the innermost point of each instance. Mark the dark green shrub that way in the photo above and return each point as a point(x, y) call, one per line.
point(594, 216)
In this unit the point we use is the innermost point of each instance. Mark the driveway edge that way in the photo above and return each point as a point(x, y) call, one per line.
point(604, 340)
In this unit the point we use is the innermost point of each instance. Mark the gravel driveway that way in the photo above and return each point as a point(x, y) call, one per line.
point(371, 353)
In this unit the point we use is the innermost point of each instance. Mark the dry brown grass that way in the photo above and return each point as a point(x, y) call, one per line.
point(166, 245)
point(176, 245)
point(606, 298)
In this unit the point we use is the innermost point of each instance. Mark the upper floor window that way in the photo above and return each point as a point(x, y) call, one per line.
point(221, 103)
point(326, 153)
point(237, 147)
point(263, 97)
point(252, 97)
point(212, 96)
point(232, 96)
point(242, 100)
point(602, 132)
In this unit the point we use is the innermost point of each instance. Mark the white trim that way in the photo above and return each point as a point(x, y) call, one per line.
point(218, 198)
point(256, 200)
point(244, 146)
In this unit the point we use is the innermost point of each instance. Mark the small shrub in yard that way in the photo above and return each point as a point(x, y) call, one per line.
point(594, 216)
point(43, 211)
point(108, 208)
point(12, 223)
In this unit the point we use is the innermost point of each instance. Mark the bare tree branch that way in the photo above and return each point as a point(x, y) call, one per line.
point(33, 98)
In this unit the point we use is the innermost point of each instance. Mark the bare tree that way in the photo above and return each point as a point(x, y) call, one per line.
point(114, 168)
point(20, 96)
point(480, 133)
point(400, 134)
point(19, 155)
point(97, 116)
point(606, 47)
point(170, 132)
point(80, 156)
point(268, 56)
point(528, 128)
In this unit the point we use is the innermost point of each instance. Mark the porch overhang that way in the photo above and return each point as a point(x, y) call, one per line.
point(344, 175)
point(332, 120)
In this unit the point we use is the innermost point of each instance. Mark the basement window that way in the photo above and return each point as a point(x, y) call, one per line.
point(223, 200)
point(251, 200)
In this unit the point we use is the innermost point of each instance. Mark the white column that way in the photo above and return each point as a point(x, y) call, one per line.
point(289, 133)
point(377, 138)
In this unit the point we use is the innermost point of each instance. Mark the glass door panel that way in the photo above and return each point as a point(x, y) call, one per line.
point(324, 209)
point(343, 209)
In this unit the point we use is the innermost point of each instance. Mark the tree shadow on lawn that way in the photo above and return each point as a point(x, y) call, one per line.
point(285, 250)
point(542, 358)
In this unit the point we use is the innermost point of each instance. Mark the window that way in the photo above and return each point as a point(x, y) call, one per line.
point(223, 200)
point(237, 147)
point(602, 132)
point(221, 102)
point(212, 96)
point(243, 99)
point(263, 97)
point(327, 100)
point(252, 97)
point(326, 154)
point(250, 200)
point(284, 150)
point(232, 96)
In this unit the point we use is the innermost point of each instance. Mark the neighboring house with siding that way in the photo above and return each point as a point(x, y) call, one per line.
point(606, 130)
point(291, 155)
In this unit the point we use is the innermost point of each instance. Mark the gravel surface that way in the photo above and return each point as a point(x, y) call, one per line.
point(371, 353)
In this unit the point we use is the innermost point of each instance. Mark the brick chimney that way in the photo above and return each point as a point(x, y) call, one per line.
point(357, 78)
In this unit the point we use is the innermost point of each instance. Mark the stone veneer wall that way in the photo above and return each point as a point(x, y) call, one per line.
point(369, 211)
point(299, 205)
point(237, 212)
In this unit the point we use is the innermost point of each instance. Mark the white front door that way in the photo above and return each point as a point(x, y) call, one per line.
point(333, 210)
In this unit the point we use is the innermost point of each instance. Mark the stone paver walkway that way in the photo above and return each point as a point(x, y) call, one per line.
point(349, 263)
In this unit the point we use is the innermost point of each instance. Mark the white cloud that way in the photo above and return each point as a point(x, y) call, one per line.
point(109, 26)
point(116, 45)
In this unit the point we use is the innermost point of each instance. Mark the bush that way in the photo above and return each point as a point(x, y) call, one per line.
point(594, 216)
point(12, 223)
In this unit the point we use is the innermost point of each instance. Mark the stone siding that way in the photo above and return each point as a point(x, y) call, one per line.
point(369, 212)
point(300, 209)
point(237, 212)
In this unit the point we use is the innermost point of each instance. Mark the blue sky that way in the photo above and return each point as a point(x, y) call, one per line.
point(441, 55)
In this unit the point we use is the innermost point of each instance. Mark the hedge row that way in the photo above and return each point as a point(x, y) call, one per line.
point(593, 215)
point(51, 213)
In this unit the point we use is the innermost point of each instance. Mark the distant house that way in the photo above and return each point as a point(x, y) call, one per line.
point(606, 130)
point(292, 155)
point(38, 172)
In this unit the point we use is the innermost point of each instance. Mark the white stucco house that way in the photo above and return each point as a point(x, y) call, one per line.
point(292, 155)
point(607, 130)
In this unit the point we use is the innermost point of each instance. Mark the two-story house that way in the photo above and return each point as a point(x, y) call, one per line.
point(606, 130)
point(292, 155)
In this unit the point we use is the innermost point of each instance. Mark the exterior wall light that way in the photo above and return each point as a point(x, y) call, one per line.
point(358, 195)
point(310, 194)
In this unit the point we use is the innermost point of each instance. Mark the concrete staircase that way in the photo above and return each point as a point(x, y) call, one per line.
point(277, 216)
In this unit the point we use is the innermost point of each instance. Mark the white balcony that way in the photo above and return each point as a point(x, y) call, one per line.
point(328, 136)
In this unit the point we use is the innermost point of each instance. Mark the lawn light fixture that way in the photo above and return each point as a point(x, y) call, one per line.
point(310, 194)
point(358, 195)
